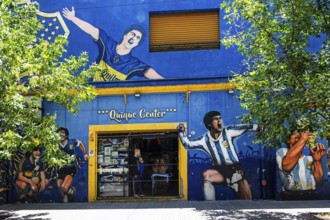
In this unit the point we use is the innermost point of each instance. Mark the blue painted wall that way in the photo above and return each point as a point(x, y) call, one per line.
point(183, 67)
point(192, 112)
point(189, 66)
point(116, 15)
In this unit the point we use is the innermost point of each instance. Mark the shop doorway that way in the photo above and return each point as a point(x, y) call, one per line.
point(137, 165)
point(113, 167)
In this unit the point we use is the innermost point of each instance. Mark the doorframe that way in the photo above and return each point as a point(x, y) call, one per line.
point(95, 130)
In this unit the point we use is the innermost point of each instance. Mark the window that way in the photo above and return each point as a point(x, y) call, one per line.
point(196, 30)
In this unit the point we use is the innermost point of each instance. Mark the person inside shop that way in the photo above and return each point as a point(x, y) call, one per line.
point(160, 178)
point(300, 173)
point(137, 171)
point(31, 177)
point(66, 174)
point(155, 166)
point(163, 166)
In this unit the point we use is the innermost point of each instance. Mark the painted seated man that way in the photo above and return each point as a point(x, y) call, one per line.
point(300, 173)
point(31, 177)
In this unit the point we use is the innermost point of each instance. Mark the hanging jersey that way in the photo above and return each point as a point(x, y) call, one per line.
point(221, 150)
point(114, 66)
point(301, 177)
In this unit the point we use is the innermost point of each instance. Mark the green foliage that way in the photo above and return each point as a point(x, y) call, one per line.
point(284, 79)
point(51, 78)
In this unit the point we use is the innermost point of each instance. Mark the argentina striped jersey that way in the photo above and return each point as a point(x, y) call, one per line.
point(301, 177)
point(221, 150)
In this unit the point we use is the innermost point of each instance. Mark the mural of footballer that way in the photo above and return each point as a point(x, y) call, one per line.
point(31, 177)
point(300, 173)
point(67, 173)
point(218, 144)
point(115, 59)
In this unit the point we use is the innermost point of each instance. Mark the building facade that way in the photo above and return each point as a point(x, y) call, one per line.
point(172, 72)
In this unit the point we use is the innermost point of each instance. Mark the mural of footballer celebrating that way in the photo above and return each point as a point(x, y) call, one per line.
point(218, 144)
point(299, 172)
point(115, 59)
point(67, 172)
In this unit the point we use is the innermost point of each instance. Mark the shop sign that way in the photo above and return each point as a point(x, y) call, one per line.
point(143, 113)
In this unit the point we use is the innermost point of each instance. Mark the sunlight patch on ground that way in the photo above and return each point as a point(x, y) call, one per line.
point(292, 211)
point(118, 214)
point(166, 214)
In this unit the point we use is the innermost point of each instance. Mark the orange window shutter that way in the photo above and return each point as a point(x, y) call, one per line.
point(184, 30)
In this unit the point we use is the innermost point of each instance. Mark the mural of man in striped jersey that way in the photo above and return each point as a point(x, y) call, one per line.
point(300, 173)
point(218, 144)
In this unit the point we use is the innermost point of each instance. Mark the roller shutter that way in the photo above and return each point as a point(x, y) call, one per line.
point(184, 31)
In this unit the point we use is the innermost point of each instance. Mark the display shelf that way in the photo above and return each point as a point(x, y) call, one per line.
point(112, 167)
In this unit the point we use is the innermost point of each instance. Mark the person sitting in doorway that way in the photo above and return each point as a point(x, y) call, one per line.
point(155, 166)
point(163, 167)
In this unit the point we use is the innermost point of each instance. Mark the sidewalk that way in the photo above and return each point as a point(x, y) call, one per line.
point(208, 210)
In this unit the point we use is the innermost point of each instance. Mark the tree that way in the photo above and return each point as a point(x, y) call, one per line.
point(49, 77)
point(285, 80)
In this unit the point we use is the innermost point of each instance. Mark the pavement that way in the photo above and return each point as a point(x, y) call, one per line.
point(170, 210)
